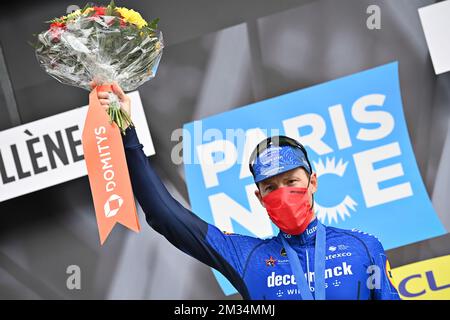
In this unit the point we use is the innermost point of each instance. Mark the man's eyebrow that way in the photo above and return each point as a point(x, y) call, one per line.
point(293, 176)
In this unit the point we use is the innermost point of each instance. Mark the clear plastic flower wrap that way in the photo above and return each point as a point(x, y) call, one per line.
point(104, 45)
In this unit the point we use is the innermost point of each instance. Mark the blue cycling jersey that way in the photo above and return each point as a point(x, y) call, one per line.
point(356, 266)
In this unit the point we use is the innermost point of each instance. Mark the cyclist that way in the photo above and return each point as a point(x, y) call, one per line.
point(306, 260)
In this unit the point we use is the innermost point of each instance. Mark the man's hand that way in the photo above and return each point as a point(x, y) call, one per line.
point(103, 97)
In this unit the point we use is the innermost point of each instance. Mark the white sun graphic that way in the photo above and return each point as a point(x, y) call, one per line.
point(341, 210)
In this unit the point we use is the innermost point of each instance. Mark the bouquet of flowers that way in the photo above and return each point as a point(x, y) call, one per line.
point(104, 45)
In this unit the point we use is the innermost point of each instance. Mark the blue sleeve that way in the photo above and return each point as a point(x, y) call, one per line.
point(385, 289)
point(180, 226)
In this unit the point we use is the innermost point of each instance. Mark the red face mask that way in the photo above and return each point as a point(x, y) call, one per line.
point(289, 209)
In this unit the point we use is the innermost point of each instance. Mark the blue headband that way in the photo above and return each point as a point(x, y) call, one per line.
point(278, 159)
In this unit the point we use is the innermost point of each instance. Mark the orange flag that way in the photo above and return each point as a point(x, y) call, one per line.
point(107, 170)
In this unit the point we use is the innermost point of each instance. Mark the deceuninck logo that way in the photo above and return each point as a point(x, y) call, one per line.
point(277, 280)
point(355, 133)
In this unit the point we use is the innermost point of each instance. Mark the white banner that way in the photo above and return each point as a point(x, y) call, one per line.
point(435, 20)
point(48, 151)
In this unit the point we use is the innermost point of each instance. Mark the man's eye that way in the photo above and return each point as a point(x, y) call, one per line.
point(268, 188)
point(292, 181)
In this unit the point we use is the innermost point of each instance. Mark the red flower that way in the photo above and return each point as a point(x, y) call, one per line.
point(56, 29)
point(99, 11)
point(57, 24)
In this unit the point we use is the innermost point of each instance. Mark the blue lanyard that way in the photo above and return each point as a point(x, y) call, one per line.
point(319, 267)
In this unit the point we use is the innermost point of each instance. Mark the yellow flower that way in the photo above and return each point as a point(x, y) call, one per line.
point(74, 14)
point(88, 10)
point(131, 16)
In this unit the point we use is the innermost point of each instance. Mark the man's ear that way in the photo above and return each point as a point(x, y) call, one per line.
point(258, 195)
point(313, 182)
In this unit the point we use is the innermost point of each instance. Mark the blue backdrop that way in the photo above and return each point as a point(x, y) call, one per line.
point(356, 136)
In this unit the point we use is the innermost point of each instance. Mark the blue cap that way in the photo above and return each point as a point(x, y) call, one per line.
point(278, 159)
